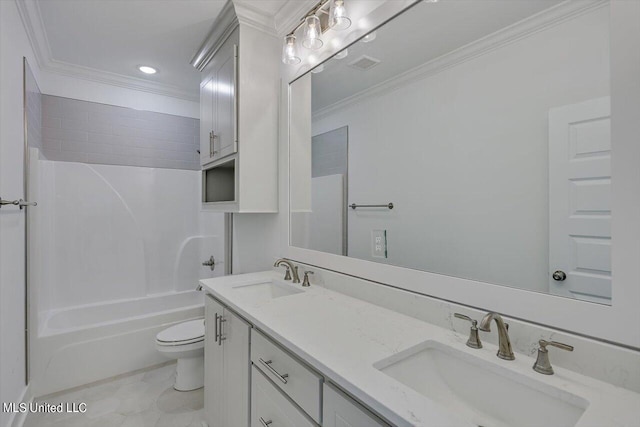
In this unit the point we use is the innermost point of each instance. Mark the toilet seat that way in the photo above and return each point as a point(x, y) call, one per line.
point(184, 333)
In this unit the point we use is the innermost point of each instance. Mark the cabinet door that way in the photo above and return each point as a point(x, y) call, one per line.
point(224, 109)
point(339, 410)
point(206, 120)
point(213, 366)
point(235, 335)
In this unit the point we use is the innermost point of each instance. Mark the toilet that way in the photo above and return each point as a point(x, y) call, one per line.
point(185, 342)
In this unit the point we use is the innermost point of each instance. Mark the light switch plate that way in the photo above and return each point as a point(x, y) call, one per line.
point(379, 243)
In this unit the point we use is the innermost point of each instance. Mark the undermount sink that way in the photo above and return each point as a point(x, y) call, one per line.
point(484, 393)
point(267, 290)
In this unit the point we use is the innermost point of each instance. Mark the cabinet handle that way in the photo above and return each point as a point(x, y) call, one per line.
point(265, 423)
point(220, 336)
point(212, 144)
point(216, 327)
point(267, 364)
point(235, 95)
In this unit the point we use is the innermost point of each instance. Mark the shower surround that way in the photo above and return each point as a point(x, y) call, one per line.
point(116, 246)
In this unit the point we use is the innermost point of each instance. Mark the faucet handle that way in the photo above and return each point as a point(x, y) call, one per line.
point(563, 346)
point(543, 364)
point(287, 273)
point(305, 280)
point(474, 338)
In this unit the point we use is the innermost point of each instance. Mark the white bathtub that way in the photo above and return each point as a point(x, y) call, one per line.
point(79, 345)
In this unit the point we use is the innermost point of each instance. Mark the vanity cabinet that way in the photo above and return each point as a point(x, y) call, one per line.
point(226, 366)
point(239, 104)
point(339, 410)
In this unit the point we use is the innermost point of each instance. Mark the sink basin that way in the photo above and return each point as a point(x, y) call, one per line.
point(484, 393)
point(267, 290)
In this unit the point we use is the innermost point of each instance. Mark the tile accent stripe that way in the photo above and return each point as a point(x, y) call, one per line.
point(88, 132)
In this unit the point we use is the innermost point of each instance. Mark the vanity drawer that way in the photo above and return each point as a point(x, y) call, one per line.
point(299, 382)
point(269, 407)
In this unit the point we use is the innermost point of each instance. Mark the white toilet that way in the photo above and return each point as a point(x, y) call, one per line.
point(185, 342)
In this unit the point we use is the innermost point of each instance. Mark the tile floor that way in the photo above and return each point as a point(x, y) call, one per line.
point(143, 399)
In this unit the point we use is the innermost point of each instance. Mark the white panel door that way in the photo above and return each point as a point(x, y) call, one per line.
point(224, 110)
point(206, 120)
point(580, 201)
point(327, 217)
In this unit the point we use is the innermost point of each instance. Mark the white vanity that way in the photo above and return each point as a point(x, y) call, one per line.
point(312, 356)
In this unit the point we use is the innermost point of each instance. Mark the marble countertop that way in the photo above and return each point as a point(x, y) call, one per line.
point(343, 337)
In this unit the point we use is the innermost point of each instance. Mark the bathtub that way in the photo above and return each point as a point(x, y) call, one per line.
point(80, 345)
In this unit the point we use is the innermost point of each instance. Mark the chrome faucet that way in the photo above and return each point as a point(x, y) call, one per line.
point(504, 344)
point(290, 267)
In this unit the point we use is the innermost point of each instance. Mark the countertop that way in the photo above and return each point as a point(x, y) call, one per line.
point(343, 337)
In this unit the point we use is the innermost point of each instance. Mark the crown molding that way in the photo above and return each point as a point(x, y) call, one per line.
point(290, 15)
point(251, 16)
point(34, 26)
point(511, 34)
point(223, 26)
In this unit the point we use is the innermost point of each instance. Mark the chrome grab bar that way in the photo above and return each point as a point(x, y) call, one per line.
point(21, 203)
point(265, 423)
point(267, 364)
point(355, 206)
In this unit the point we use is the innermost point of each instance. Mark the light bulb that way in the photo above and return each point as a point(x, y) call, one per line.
point(289, 51)
point(312, 33)
point(338, 19)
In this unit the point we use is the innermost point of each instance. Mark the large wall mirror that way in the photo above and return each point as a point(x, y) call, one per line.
point(468, 139)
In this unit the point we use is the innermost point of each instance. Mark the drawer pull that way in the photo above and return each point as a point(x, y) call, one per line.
point(265, 423)
point(267, 364)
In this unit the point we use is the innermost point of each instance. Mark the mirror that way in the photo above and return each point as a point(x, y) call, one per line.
point(470, 139)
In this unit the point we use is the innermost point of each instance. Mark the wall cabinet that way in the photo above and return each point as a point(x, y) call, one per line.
point(239, 103)
point(218, 115)
point(339, 410)
point(227, 366)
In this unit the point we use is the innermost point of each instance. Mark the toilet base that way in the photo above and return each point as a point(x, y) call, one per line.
point(189, 373)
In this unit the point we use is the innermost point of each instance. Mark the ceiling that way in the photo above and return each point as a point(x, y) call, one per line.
point(424, 33)
point(111, 38)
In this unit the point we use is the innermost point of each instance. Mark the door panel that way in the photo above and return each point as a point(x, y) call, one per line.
point(236, 369)
point(225, 114)
point(206, 120)
point(580, 200)
point(213, 366)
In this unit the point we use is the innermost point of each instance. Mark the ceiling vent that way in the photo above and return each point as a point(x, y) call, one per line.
point(364, 63)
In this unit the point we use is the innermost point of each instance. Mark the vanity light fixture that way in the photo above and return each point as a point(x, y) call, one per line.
point(325, 15)
point(147, 70)
point(290, 51)
point(312, 32)
point(338, 19)
point(318, 69)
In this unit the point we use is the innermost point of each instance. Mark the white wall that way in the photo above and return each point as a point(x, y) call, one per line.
point(469, 146)
point(13, 46)
point(87, 90)
point(117, 232)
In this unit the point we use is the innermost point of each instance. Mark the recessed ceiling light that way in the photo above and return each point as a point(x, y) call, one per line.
point(147, 70)
point(369, 37)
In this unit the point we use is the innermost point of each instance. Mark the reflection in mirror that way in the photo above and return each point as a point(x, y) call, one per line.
point(486, 124)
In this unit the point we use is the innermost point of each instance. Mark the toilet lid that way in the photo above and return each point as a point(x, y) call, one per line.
point(185, 332)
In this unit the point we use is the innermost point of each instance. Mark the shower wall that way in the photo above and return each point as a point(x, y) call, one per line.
point(119, 213)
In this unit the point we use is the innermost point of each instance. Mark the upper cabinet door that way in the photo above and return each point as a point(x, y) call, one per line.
point(206, 120)
point(225, 112)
